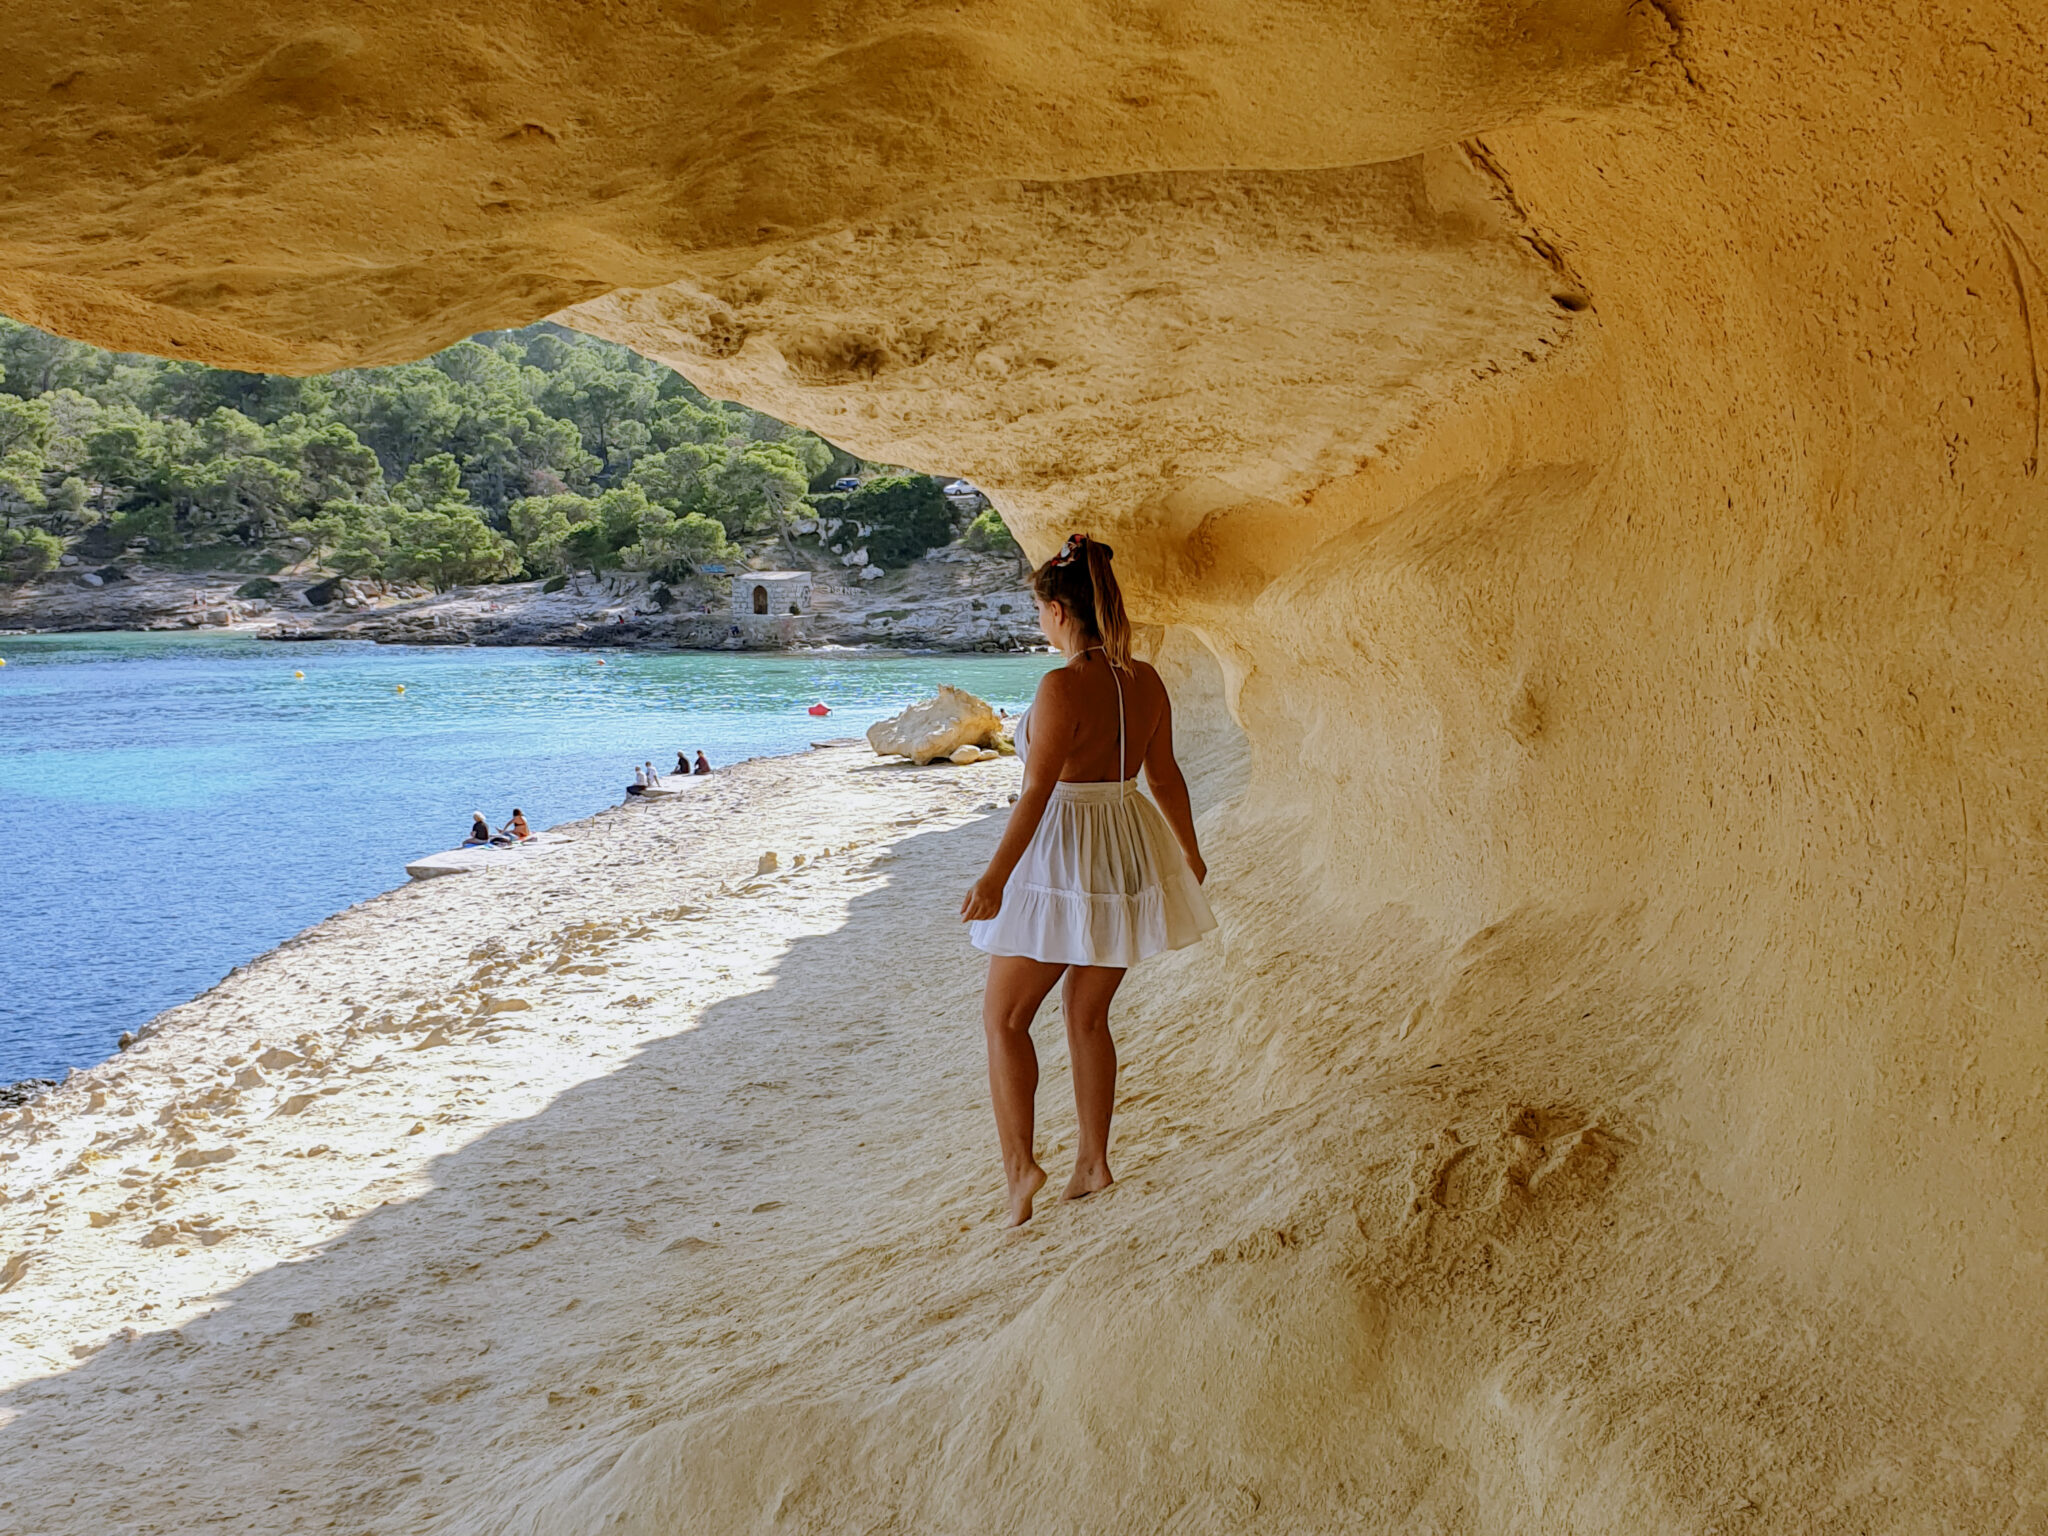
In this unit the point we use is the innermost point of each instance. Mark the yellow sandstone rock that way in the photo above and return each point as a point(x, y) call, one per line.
point(1579, 465)
point(951, 721)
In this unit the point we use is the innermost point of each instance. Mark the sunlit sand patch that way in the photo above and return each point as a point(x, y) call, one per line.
point(257, 1124)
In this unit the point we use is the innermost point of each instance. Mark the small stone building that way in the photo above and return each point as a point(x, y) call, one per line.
point(770, 594)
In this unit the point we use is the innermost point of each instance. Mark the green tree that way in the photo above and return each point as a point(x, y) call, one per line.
point(540, 525)
point(236, 480)
point(194, 391)
point(352, 537)
point(431, 482)
point(990, 534)
point(679, 420)
point(73, 417)
point(620, 512)
point(599, 391)
point(581, 450)
point(447, 545)
point(585, 547)
point(754, 490)
point(671, 546)
point(813, 454)
point(335, 466)
point(26, 553)
point(904, 516)
point(402, 413)
point(680, 478)
point(24, 434)
point(24, 427)
point(72, 503)
point(33, 362)
point(122, 452)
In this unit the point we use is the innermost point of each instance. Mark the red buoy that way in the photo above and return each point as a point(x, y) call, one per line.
point(819, 709)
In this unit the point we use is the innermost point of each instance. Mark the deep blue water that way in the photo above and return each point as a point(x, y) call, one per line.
point(172, 806)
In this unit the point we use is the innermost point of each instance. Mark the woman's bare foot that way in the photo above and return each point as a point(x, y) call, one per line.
point(1088, 1181)
point(1022, 1189)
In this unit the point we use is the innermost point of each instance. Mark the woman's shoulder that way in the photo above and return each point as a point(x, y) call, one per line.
point(1058, 683)
point(1147, 677)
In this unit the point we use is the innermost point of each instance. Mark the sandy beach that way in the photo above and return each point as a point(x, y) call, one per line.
point(459, 1193)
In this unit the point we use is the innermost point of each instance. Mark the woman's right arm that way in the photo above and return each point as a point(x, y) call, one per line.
point(1052, 735)
point(1170, 789)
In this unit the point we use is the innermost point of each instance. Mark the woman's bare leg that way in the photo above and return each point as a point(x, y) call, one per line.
point(1085, 999)
point(1016, 987)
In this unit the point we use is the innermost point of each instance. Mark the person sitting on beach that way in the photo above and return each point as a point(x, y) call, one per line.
point(703, 763)
point(639, 784)
point(516, 828)
point(653, 778)
point(682, 762)
point(479, 831)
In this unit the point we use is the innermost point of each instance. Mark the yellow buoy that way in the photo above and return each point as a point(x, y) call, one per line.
point(401, 687)
point(298, 674)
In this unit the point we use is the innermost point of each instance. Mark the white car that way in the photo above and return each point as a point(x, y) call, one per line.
point(962, 488)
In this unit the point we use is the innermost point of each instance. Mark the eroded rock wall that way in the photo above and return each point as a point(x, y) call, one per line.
point(1599, 463)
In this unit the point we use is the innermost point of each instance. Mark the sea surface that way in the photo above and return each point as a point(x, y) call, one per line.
point(172, 806)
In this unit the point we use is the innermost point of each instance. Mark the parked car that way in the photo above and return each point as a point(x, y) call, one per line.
point(962, 488)
point(847, 483)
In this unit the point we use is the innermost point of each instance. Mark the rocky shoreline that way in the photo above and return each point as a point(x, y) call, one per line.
point(952, 600)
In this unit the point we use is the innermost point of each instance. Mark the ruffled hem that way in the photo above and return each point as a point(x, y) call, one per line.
point(1080, 928)
point(1101, 883)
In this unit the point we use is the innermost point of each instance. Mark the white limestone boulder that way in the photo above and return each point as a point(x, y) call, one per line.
point(937, 727)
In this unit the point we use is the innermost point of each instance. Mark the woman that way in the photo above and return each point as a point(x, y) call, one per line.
point(479, 831)
point(516, 828)
point(1090, 877)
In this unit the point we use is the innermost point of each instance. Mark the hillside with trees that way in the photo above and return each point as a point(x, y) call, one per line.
point(514, 454)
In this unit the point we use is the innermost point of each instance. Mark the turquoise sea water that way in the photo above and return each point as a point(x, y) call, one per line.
point(172, 806)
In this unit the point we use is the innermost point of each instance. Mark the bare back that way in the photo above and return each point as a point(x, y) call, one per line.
point(1089, 688)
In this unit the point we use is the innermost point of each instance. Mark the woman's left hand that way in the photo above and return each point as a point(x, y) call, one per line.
point(984, 900)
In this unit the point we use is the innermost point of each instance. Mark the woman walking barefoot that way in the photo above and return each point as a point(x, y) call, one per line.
point(1090, 877)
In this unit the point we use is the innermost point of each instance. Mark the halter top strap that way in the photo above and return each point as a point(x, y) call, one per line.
point(1123, 783)
point(1123, 779)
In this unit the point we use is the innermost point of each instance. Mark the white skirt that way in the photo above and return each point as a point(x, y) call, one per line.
point(1103, 882)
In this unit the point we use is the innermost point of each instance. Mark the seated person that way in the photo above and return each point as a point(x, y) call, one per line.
point(516, 830)
point(703, 763)
point(682, 762)
point(479, 831)
point(639, 784)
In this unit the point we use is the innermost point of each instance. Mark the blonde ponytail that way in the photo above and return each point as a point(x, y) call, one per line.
point(1111, 625)
point(1080, 579)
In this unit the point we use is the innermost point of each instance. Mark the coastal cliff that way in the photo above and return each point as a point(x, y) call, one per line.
point(1583, 464)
